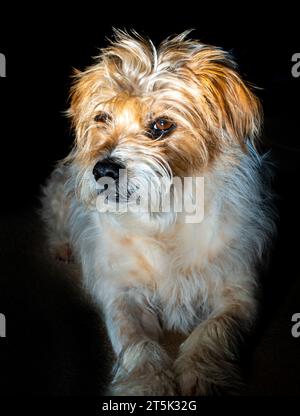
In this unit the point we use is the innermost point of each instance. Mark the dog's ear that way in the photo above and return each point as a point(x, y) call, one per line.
point(85, 85)
point(229, 107)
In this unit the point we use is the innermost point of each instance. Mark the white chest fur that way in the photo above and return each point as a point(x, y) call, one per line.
point(172, 269)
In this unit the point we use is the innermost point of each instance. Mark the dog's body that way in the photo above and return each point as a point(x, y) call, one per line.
point(151, 272)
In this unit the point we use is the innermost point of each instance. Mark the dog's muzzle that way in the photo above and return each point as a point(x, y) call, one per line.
point(107, 168)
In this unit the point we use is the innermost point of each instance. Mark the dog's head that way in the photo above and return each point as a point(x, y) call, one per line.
point(163, 112)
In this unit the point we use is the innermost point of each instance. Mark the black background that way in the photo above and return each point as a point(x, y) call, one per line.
point(41, 47)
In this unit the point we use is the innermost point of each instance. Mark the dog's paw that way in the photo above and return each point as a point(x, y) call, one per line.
point(143, 369)
point(190, 381)
point(63, 252)
point(154, 383)
point(196, 376)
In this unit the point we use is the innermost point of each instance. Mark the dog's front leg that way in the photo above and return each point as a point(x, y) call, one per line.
point(207, 363)
point(142, 367)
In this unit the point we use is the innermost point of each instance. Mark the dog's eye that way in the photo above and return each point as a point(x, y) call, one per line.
point(102, 117)
point(161, 127)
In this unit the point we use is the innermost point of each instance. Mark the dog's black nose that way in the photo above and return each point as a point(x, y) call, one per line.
point(107, 167)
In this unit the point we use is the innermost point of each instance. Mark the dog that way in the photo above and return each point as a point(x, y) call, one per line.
point(159, 114)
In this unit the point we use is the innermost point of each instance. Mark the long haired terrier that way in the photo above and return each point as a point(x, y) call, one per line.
point(161, 116)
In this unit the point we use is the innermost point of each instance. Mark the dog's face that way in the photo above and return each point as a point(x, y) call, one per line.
point(157, 113)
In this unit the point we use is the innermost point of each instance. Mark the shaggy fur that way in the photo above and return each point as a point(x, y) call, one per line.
point(156, 271)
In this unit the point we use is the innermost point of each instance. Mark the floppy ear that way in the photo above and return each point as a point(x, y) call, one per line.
point(85, 86)
point(231, 110)
point(88, 88)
